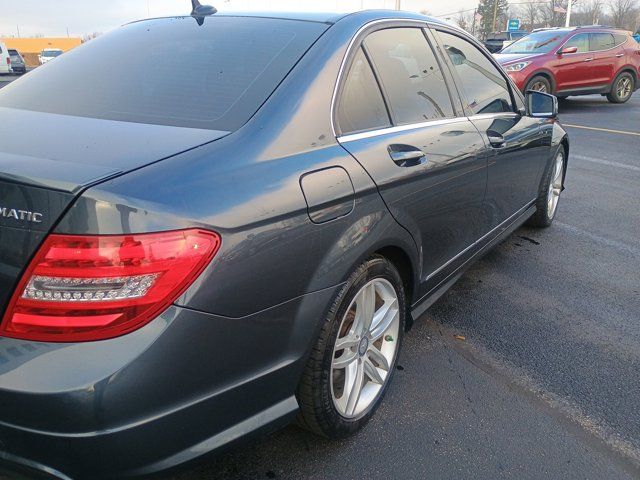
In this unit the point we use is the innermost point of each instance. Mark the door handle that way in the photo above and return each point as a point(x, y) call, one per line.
point(588, 59)
point(495, 139)
point(406, 155)
point(619, 55)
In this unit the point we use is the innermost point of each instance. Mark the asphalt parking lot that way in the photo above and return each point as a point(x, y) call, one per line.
point(528, 367)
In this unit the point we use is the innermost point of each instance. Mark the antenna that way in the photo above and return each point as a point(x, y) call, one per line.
point(202, 10)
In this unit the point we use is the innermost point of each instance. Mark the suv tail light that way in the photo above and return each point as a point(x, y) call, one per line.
point(8, 60)
point(85, 287)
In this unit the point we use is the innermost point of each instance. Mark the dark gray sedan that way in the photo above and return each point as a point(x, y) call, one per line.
point(199, 249)
point(18, 64)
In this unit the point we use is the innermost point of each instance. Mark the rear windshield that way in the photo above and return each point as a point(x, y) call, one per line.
point(170, 72)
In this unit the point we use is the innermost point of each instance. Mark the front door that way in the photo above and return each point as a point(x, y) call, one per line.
point(514, 143)
point(574, 71)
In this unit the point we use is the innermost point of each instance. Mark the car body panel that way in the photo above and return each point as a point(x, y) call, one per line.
point(236, 341)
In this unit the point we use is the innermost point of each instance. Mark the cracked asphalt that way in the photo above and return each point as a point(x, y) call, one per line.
point(543, 381)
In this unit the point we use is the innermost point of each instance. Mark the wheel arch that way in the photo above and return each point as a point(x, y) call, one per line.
point(402, 261)
point(543, 73)
point(629, 69)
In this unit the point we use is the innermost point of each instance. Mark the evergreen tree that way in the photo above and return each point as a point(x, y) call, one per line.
point(487, 8)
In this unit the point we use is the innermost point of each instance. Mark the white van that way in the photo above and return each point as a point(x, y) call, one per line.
point(5, 59)
point(49, 54)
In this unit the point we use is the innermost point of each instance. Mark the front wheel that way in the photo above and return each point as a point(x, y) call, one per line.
point(539, 84)
point(549, 192)
point(353, 361)
point(622, 88)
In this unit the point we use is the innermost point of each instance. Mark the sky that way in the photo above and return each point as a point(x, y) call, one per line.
point(53, 17)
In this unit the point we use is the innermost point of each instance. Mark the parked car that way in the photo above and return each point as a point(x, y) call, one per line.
point(189, 259)
point(575, 61)
point(17, 62)
point(5, 59)
point(49, 54)
point(496, 41)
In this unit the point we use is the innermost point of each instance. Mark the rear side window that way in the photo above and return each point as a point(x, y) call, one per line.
point(485, 88)
point(580, 41)
point(213, 76)
point(601, 41)
point(619, 38)
point(361, 105)
point(410, 75)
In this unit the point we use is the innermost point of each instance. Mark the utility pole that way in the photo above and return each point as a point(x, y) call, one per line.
point(568, 21)
point(398, 4)
point(495, 15)
point(18, 29)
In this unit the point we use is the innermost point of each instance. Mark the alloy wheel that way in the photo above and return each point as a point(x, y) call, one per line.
point(623, 88)
point(555, 185)
point(539, 87)
point(365, 348)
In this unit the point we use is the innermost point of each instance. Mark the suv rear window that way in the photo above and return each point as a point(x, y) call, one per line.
point(213, 76)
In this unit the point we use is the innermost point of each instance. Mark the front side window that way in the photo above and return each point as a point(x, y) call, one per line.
point(485, 88)
point(580, 41)
point(361, 105)
point(410, 75)
point(601, 41)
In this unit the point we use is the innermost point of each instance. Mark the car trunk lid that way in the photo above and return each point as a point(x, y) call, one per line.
point(47, 160)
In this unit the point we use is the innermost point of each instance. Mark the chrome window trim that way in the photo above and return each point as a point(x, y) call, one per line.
point(351, 137)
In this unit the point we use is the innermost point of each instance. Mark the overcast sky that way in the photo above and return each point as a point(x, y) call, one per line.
point(52, 17)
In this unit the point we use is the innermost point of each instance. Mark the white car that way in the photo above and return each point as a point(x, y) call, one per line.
point(5, 59)
point(49, 54)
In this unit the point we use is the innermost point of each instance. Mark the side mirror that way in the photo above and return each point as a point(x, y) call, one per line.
point(541, 105)
point(564, 51)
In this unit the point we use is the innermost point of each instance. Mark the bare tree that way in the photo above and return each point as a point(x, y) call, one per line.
point(591, 10)
point(530, 14)
point(623, 13)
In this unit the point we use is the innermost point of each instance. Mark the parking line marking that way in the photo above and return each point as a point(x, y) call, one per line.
point(599, 239)
point(607, 130)
point(609, 163)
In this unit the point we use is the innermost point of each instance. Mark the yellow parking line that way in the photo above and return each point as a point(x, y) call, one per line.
point(608, 130)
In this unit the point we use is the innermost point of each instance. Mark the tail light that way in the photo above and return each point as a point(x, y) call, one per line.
point(85, 287)
point(8, 61)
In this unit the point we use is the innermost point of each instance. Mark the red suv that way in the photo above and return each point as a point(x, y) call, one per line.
point(575, 61)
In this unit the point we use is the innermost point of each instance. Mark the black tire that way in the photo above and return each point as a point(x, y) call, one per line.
point(619, 94)
point(538, 83)
point(317, 410)
point(541, 218)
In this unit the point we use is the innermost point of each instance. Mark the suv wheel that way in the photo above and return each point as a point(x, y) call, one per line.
point(353, 361)
point(539, 84)
point(622, 88)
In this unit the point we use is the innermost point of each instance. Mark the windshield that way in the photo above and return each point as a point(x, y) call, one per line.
point(51, 53)
point(538, 42)
point(213, 76)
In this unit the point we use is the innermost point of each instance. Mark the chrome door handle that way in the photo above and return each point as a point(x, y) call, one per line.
point(619, 55)
point(406, 155)
point(588, 59)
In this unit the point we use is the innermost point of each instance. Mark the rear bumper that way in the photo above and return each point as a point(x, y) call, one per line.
point(185, 385)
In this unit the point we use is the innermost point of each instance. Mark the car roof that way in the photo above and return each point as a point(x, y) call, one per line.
point(323, 17)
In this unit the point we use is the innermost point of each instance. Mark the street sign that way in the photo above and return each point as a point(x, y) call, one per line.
point(514, 24)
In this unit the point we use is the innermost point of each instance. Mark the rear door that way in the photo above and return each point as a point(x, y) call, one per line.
point(514, 142)
point(574, 71)
point(607, 57)
point(422, 152)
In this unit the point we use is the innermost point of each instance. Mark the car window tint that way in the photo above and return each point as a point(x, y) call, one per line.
point(212, 76)
point(410, 75)
point(486, 90)
point(580, 41)
point(619, 38)
point(361, 105)
point(601, 41)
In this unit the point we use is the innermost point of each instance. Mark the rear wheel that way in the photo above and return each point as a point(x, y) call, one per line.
point(549, 192)
point(353, 361)
point(622, 88)
point(539, 84)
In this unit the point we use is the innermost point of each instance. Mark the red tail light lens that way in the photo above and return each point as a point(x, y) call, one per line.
point(82, 287)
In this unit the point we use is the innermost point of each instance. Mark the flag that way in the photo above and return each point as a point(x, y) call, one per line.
point(559, 9)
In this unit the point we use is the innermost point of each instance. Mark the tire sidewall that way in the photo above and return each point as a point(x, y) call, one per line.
point(377, 267)
point(537, 78)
